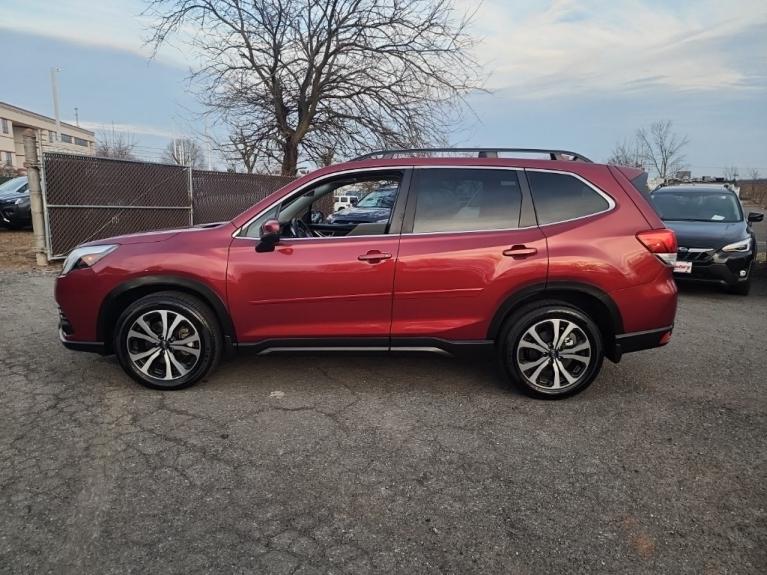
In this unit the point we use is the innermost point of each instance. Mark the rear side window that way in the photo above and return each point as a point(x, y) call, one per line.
point(462, 200)
point(561, 197)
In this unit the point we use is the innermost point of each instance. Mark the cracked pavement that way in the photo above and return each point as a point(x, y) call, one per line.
point(353, 463)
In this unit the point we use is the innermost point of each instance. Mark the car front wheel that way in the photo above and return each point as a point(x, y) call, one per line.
point(551, 350)
point(168, 340)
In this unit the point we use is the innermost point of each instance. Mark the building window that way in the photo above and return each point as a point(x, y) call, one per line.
point(51, 136)
point(5, 126)
point(67, 139)
point(8, 158)
point(81, 142)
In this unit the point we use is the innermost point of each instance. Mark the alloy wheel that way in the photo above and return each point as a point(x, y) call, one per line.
point(553, 354)
point(163, 344)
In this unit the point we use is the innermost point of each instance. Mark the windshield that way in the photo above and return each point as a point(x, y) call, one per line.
point(378, 199)
point(698, 206)
point(13, 185)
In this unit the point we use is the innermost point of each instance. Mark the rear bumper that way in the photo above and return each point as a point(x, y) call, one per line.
point(639, 340)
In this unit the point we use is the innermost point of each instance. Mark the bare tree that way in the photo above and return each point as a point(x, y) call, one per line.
point(628, 153)
point(184, 152)
point(731, 173)
point(662, 148)
point(242, 149)
point(357, 73)
point(115, 144)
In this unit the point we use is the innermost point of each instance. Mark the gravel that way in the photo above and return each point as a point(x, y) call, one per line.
point(357, 463)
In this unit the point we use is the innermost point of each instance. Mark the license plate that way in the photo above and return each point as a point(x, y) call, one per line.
point(683, 267)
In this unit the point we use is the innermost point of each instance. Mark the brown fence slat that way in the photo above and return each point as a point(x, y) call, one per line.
point(219, 196)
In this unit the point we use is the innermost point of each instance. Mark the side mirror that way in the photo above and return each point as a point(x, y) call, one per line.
point(755, 217)
point(270, 236)
point(354, 200)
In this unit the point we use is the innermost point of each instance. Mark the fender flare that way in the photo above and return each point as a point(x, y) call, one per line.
point(189, 285)
point(529, 292)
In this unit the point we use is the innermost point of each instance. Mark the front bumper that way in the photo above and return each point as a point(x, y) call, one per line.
point(721, 268)
point(66, 332)
point(13, 215)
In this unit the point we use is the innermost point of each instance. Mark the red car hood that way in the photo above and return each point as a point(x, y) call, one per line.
point(152, 237)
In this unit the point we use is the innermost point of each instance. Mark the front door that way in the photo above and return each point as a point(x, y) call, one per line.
point(334, 282)
point(469, 241)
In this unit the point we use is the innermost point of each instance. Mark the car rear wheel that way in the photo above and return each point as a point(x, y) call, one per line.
point(168, 340)
point(551, 350)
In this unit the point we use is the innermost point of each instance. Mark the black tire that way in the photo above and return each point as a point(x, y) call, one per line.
point(197, 319)
point(540, 313)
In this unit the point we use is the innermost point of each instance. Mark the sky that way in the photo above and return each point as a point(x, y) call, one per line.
point(560, 74)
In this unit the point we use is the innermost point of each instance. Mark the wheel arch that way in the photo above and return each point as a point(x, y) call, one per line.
point(128, 292)
point(590, 299)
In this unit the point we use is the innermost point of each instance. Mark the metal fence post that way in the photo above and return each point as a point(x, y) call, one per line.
point(35, 196)
point(191, 198)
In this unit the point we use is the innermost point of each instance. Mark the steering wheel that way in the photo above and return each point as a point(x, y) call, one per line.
point(299, 229)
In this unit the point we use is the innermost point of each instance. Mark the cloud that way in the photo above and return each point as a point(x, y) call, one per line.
point(566, 47)
point(115, 24)
point(135, 129)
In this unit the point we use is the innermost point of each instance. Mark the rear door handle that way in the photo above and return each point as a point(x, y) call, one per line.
point(374, 256)
point(520, 251)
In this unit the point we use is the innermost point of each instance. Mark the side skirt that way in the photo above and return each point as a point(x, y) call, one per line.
point(369, 344)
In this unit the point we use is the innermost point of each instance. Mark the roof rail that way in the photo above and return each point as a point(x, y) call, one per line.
point(481, 153)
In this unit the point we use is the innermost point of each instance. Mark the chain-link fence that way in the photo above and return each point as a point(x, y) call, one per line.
point(88, 198)
point(219, 196)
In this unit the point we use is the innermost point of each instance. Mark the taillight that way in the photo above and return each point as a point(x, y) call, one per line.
point(661, 242)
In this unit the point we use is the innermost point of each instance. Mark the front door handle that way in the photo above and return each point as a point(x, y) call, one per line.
point(374, 256)
point(520, 251)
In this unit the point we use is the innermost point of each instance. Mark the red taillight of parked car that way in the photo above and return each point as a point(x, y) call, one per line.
point(661, 242)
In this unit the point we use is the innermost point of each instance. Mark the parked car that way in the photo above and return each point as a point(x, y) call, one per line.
point(374, 207)
point(550, 264)
point(15, 211)
point(345, 201)
point(716, 242)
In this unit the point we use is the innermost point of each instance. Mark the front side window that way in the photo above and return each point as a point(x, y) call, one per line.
point(312, 213)
point(461, 200)
point(561, 197)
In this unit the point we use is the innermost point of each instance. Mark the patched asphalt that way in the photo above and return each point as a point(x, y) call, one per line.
point(385, 463)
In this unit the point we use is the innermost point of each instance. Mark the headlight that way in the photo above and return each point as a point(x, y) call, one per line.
point(383, 221)
point(85, 257)
point(18, 202)
point(741, 246)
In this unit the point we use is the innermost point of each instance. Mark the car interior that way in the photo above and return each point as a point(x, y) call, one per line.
point(305, 215)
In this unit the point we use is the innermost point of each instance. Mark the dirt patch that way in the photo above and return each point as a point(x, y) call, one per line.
point(17, 251)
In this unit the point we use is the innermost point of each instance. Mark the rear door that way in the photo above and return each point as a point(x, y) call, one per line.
point(469, 241)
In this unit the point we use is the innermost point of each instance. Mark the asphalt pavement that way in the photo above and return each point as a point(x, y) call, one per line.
point(385, 463)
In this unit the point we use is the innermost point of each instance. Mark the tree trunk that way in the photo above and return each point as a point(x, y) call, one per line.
point(289, 157)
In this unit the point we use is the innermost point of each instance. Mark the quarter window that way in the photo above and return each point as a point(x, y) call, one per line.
point(561, 197)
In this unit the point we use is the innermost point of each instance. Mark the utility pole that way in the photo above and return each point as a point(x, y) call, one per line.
point(207, 142)
point(77, 117)
point(55, 89)
point(35, 195)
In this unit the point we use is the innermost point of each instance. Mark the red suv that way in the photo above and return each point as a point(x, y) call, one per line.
point(553, 263)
